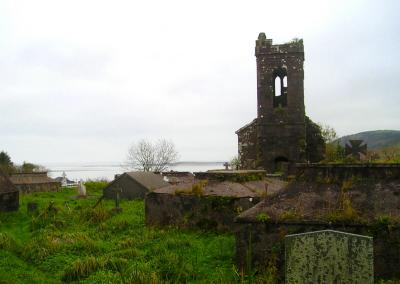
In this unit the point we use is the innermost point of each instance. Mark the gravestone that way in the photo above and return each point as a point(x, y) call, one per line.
point(81, 189)
point(328, 257)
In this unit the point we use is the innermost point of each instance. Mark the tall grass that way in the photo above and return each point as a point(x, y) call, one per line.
point(71, 241)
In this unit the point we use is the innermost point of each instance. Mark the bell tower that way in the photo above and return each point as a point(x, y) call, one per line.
point(281, 133)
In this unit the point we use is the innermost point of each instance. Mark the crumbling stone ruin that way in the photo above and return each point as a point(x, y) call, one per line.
point(282, 134)
point(353, 198)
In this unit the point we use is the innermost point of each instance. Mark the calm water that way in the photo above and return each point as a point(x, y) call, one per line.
point(108, 170)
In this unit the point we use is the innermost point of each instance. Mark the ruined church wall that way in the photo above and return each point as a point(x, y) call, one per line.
point(247, 146)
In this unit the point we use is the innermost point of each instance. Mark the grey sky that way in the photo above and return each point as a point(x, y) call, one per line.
point(81, 80)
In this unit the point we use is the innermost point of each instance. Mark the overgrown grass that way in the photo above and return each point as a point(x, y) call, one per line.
point(69, 241)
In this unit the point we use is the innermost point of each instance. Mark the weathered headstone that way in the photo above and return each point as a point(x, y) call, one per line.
point(81, 189)
point(328, 257)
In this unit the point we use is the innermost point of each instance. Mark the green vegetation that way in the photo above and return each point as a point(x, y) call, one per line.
point(289, 215)
point(69, 241)
point(262, 217)
point(344, 212)
point(235, 163)
point(196, 188)
point(8, 167)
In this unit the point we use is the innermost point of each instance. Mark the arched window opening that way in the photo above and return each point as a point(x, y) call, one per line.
point(278, 90)
point(280, 87)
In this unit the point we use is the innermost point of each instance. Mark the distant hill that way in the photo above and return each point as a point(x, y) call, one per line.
point(375, 139)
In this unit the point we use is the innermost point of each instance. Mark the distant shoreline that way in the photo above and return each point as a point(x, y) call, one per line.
point(104, 170)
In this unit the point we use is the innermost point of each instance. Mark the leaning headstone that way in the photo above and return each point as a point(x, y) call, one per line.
point(328, 257)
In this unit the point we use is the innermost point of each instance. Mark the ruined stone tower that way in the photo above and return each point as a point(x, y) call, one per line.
point(276, 139)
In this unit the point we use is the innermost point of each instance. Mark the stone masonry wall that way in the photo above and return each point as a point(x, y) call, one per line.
point(281, 126)
point(247, 145)
point(266, 241)
point(189, 210)
point(315, 172)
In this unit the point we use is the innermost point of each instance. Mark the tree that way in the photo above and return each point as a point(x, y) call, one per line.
point(235, 163)
point(5, 159)
point(334, 152)
point(30, 168)
point(328, 133)
point(5, 163)
point(151, 156)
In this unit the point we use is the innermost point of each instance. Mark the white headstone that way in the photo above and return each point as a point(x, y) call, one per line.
point(64, 179)
point(81, 189)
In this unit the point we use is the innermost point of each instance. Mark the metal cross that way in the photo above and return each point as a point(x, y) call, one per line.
point(356, 148)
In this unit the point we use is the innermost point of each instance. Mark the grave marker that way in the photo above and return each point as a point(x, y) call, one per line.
point(356, 149)
point(328, 257)
point(117, 191)
point(81, 189)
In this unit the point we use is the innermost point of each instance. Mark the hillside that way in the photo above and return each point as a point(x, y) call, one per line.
point(376, 139)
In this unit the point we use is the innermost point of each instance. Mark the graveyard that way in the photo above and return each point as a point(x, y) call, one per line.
point(70, 241)
point(284, 215)
point(70, 238)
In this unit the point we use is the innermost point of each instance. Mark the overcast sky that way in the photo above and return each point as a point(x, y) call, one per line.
point(81, 80)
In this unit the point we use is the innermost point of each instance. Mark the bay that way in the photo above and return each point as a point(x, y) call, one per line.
point(107, 171)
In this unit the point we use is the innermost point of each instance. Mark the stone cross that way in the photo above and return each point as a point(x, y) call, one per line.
point(356, 149)
point(328, 257)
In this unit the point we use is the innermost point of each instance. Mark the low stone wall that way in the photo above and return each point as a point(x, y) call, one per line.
point(262, 244)
point(315, 172)
point(189, 210)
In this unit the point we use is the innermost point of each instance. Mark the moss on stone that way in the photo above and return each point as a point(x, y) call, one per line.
point(263, 217)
